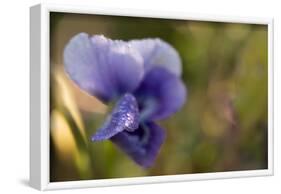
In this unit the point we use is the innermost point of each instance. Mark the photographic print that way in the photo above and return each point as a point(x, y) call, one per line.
point(139, 97)
point(123, 97)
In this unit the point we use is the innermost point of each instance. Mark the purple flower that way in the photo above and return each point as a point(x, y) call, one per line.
point(142, 77)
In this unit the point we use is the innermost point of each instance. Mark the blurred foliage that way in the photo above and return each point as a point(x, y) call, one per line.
point(222, 127)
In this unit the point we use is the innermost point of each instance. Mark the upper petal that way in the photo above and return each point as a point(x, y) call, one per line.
point(125, 116)
point(143, 144)
point(157, 52)
point(160, 94)
point(102, 67)
point(126, 66)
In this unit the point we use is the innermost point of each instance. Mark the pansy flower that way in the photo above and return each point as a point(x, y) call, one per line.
point(140, 77)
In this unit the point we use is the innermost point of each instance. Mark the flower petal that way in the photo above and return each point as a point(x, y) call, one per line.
point(160, 94)
point(126, 65)
point(102, 67)
point(143, 144)
point(125, 116)
point(157, 52)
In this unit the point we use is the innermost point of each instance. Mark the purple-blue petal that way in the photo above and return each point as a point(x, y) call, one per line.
point(160, 95)
point(158, 53)
point(143, 144)
point(125, 116)
point(103, 67)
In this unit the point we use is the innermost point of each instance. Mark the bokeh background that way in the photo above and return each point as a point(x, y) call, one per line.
point(222, 127)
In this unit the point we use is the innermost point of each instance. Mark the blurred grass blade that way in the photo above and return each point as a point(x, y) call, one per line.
point(62, 136)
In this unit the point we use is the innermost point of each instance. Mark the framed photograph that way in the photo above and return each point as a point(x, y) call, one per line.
point(134, 97)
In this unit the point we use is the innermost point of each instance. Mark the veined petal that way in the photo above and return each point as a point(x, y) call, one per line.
point(125, 116)
point(126, 65)
point(157, 52)
point(143, 144)
point(102, 67)
point(160, 94)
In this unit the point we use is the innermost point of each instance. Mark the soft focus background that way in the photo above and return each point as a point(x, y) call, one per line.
point(222, 127)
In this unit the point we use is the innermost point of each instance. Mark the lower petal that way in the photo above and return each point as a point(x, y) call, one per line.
point(125, 116)
point(143, 144)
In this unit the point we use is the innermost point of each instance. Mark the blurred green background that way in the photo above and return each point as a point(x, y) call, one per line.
point(222, 127)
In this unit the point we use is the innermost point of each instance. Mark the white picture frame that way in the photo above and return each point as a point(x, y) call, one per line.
point(39, 101)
